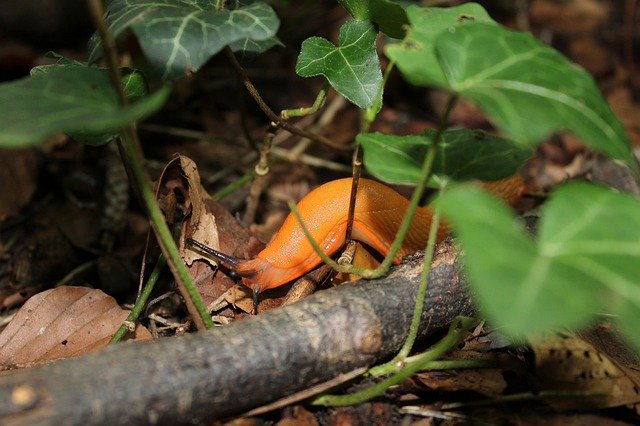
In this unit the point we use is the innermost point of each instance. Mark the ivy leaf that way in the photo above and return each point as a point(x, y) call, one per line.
point(416, 55)
point(389, 16)
point(179, 36)
point(586, 259)
point(528, 89)
point(352, 68)
point(462, 155)
point(68, 98)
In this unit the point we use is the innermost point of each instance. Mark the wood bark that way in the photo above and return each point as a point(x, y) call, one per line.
point(231, 369)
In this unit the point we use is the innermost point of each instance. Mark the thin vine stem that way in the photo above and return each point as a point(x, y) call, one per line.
point(141, 301)
point(133, 158)
point(275, 118)
point(317, 104)
point(368, 117)
point(458, 331)
point(422, 289)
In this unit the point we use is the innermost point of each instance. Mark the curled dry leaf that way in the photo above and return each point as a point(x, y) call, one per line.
point(60, 323)
point(202, 224)
point(206, 222)
point(569, 363)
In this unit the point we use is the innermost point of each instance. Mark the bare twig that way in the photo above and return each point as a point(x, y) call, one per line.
point(275, 118)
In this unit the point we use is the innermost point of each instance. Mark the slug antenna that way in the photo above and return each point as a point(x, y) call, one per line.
point(229, 262)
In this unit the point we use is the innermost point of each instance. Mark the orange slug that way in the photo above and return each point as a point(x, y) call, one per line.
point(378, 213)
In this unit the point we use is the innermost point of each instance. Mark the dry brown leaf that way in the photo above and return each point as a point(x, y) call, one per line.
point(565, 362)
point(298, 416)
point(202, 225)
point(486, 381)
point(206, 222)
point(62, 322)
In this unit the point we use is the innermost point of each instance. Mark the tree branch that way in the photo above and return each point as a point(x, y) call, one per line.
point(229, 370)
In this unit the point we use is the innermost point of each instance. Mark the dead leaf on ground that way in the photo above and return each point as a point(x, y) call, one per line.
point(60, 323)
point(486, 381)
point(181, 175)
point(569, 363)
point(182, 195)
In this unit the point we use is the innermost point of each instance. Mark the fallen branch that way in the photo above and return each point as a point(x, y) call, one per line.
point(229, 370)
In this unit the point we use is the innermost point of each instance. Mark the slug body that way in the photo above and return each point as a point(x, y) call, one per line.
point(378, 214)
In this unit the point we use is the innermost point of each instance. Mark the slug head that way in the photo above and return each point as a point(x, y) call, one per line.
point(251, 272)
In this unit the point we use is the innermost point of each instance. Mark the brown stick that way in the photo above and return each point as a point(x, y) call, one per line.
point(275, 118)
point(229, 370)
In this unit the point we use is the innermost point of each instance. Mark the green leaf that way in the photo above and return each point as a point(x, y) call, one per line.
point(416, 56)
point(133, 84)
point(389, 16)
point(586, 260)
point(528, 89)
point(352, 68)
point(252, 47)
point(179, 36)
point(67, 98)
point(462, 155)
point(602, 242)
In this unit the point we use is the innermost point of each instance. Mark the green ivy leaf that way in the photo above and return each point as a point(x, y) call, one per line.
point(179, 36)
point(416, 56)
point(528, 89)
point(68, 98)
point(389, 16)
point(462, 155)
point(586, 259)
point(352, 68)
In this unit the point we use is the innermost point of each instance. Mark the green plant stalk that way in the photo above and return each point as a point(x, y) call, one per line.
point(301, 112)
point(367, 118)
point(458, 330)
point(425, 172)
point(159, 225)
point(399, 360)
point(141, 301)
point(134, 162)
point(422, 289)
point(234, 186)
point(455, 364)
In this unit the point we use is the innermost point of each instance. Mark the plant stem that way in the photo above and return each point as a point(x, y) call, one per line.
point(141, 301)
point(425, 172)
point(433, 232)
point(234, 186)
point(422, 289)
point(188, 289)
point(458, 330)
point(134, 161)
point(301, 112)
point(277, 120)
